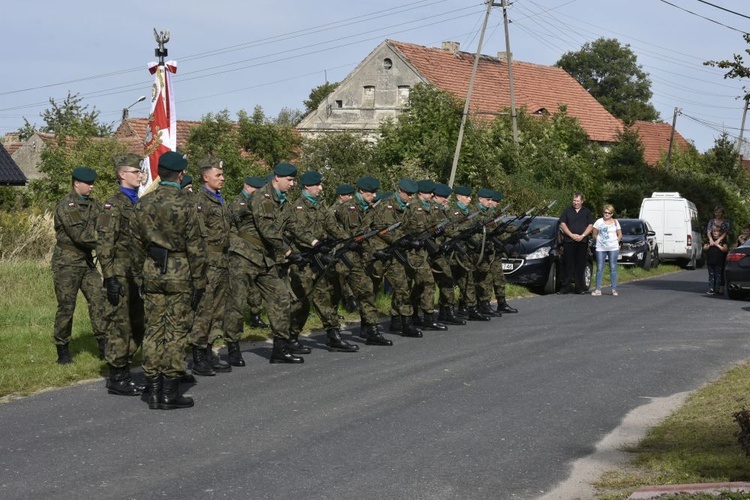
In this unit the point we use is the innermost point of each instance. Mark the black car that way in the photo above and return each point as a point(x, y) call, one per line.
point(535, 259)
point(639, 245)
point(737, 272)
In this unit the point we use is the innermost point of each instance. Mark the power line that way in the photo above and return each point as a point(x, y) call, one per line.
point(702, 17)
point(724, 9)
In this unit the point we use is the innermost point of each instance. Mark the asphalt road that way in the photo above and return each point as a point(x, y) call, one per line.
point(497, 410)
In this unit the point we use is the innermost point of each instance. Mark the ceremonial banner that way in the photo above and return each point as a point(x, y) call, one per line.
point(161, 130)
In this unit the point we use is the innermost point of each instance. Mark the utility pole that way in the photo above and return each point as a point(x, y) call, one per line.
point(509, 60)
point(742, 130)
point(468, 96)
point(677, 111)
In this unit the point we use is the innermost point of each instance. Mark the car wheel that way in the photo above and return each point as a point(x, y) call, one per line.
point(691, 263)
point(588, 274)
point(646, 264)
point(734, 294)
point(551, 286)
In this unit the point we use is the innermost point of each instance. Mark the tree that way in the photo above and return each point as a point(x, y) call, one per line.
point(318, 95)
point(271, 142)
point(69, 118)
point(736, 67)
point(610, 72)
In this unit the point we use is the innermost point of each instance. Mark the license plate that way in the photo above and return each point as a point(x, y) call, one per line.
point(507, 266)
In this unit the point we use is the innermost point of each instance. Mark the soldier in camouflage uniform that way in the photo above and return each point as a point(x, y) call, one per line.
point(73, 266)
point(344, 193)
point(310, 283)
point(441, 269)
point(347, 220)
point(209, 319)
point(495, 278)
point(169, 261)
point(482, 272)
point(124, 306)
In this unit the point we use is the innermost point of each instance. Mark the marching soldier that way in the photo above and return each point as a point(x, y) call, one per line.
point(441, 269)
point(346, 221)
point(209, 318)
point(495, 278)
point(73, 266)
point(482, 274)
point(306, 227)
point(168, 259)
point(344, 193)
point(124, 306)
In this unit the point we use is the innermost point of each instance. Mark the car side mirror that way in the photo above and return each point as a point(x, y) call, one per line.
point(651, 233)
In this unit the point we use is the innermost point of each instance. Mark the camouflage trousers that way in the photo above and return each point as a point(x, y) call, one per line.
point(443, 275)
point(362, 286)
point(67, 281)
point(493, 281)
point(125, 325)
point(245, 276)
point(467, 287)
point(209, 318)
point(318, 292)
point(423, 283)
point(401, 286)
point(167, 318)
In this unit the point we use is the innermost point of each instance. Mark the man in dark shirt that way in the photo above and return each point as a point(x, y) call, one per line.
point(576, 223)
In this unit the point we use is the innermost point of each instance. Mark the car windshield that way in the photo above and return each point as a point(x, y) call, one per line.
point(631, 226)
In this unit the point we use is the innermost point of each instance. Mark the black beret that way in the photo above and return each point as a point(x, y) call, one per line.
point(426, 186)
point(128, 160)
point(462, 190)
point(187, 180)
point(382, 195)
point(285, 169)
point(345, 189)
point(255, 181)
point(485, 193)
point(210, 161)
point(443, 190)
point(368, 184)
point(173, 161)
point(407, 185)
point(84, 174)
point(311, 178)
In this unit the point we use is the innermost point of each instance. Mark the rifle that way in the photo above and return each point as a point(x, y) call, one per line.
point(355, 243)
point(522, 230)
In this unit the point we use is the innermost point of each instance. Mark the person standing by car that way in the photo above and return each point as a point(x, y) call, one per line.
point(716, 255)
point(608, 235)
point(576, 223)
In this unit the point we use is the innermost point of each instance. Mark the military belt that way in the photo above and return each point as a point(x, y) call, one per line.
point(251, 238)
point(74, 248)
point(178, 254)
point(217, 249)
point(122, 255)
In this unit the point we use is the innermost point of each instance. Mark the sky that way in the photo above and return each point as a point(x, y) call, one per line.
point(237, 55)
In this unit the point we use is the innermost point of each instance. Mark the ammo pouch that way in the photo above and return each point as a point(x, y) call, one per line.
point(159, 255)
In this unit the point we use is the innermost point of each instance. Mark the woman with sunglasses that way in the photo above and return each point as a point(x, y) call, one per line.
point(608, 235)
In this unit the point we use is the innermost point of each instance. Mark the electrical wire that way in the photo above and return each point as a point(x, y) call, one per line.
point(703, 17)
point(724, 9)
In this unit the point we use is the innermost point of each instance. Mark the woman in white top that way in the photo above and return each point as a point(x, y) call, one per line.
point(608, 234)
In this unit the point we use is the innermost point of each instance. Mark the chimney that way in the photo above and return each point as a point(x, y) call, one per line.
point(452, 47)
point(501, 56)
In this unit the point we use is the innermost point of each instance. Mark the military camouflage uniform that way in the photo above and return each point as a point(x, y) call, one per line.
point(418, 220)
point(482, 271)
point(494, 279)
point(73, 265)
point(125, 320)
point(463, 265)
point(209, 318)
point(167, 217)
point(441, 269)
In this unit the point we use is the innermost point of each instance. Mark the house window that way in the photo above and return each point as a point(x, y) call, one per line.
point(403, 95)
point(368, 96)
point(339, 103)
point(387, 64)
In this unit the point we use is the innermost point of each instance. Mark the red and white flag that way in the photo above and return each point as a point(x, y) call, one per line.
point(161, 130)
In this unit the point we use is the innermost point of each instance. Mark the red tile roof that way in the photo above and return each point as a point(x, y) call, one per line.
point(655, 139)
point(136, 127)
point(537, 87)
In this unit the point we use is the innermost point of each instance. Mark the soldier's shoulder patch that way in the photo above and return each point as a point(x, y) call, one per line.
point(300, 207)
point(420, 209)
point(389, 207)
point(267, 195)
point(71, 205)
point(107, 206)
point(200, 208)
point(242, 203)
point(352, 207)
point(456, 213)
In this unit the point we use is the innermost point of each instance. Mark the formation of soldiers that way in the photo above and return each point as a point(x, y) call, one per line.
point(182, 266)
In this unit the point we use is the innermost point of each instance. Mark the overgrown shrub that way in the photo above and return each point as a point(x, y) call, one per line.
point(26, 234)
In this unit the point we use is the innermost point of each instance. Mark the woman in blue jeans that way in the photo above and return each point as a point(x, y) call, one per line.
point(607, 234)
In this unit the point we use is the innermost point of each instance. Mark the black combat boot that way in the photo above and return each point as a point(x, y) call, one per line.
point(295, 347)
point(475, 315)
point(170, 395)
point(101, 342)
point(257, 322)
point(63, 355)
point(462, 311)
point(503, 306)
point(234, 355)
point(407, 329)
point(154, 392)
point(362, 329)
point(395, 326)
point(430, 323)
point(201, 365)
point(120, 383)
point(374, 337)
point(486, 309)
point(448, 317)
point(141, 387)
point(217, 364)
point(336, 343)
point(416, 320)
point(281, 353)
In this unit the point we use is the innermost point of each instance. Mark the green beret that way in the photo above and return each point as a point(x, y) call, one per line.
point(269, 178)
point(172, 161)
point(310, 178)
point(187, 180)
point(443, 190)
point(497, 195)
point(462, 190)
point(84, 174)
point(285, 169)
point(128, 160)
point(485, 193)
point(367, 183)
point(255, 181)
point(210, 161)
point(426, 186)
point(345, 189)
point(407, 185)
point(382, 195)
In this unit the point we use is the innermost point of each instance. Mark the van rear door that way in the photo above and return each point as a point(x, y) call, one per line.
point(676, 227)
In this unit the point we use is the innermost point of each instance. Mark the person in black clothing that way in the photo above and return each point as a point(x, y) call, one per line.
point(576, 223)
point(716, 255)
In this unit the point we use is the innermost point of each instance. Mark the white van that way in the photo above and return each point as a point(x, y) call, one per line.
point(678, 231)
